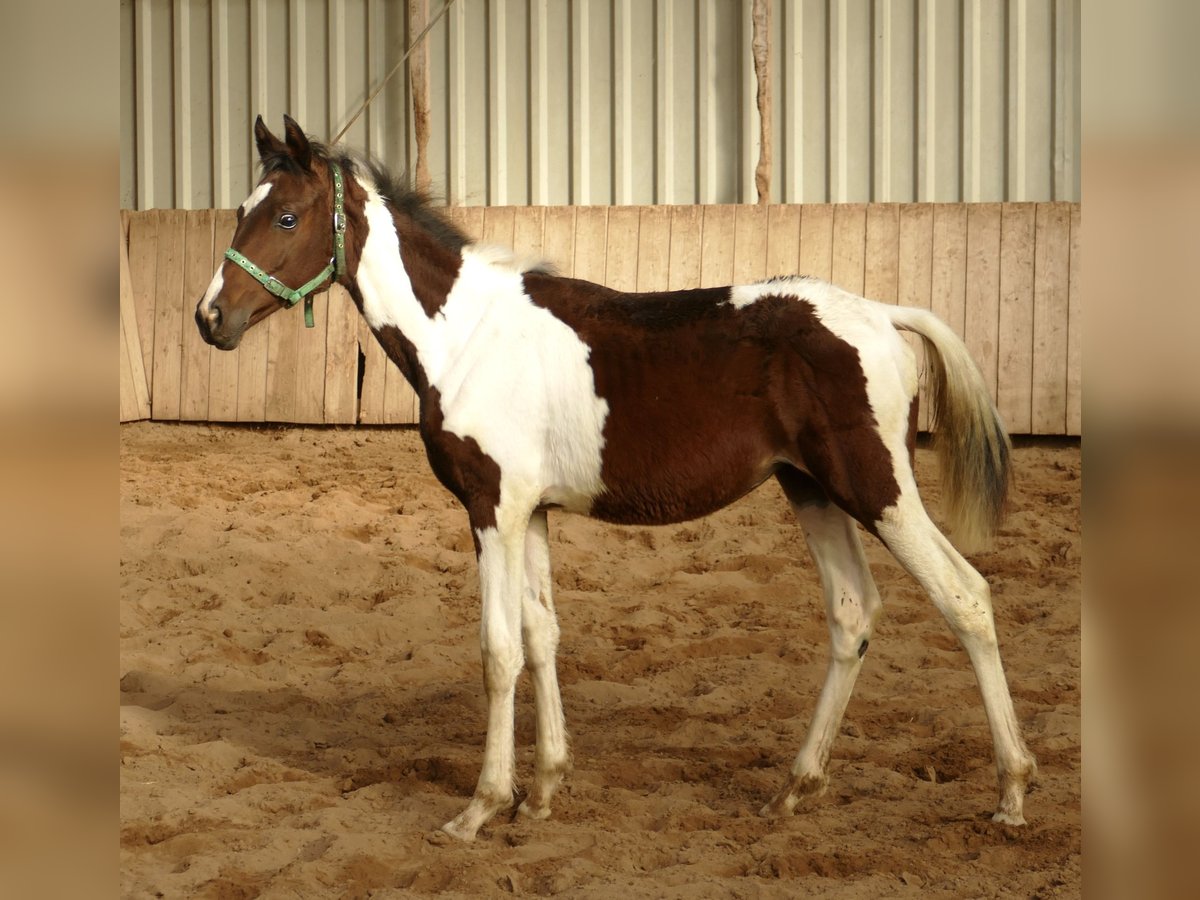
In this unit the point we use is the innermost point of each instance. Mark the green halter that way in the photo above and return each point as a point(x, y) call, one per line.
point(337, 264)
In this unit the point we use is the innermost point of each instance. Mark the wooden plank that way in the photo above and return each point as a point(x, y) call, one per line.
point(399, 399)
point(621, 252)
point(849, 246)
point(1051, 307)
point(881, 265)
point(311, 358)
point(196, 355)
point(591, 239)
point(684, 264)
point(223, 367)
point(135, 395)
point(168, 318)
point(948, 278)
point(914, 284)
point(375, 366)
point(529, 228)
point(283, 329)
point(1074, 332)
point(783, 240)
point(654, 248)
point(816, 240)
point(558, 239)
point(469, 220)
point(498, 225)
point(716, 246)
point(1015, 384)
point(341, 358)
point(749, 244)
point(982, 314)
point(143, 270)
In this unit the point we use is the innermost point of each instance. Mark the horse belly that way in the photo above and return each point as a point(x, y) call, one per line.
point(663, 483)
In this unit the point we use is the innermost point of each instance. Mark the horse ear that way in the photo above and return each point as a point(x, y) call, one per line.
point(297, 141)
point(268, 145)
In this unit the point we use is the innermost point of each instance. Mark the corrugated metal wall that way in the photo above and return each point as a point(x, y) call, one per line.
point(617, 101)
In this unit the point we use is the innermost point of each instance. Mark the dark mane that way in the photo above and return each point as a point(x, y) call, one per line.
point(396, 189)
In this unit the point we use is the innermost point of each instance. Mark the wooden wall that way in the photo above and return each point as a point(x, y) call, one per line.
point(1005, 277)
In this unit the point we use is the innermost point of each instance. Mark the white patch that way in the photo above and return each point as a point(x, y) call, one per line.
point(257, 196)
point(214, 288)
point(510, 375)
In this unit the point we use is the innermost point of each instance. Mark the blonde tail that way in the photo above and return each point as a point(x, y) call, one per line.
point(971, 442)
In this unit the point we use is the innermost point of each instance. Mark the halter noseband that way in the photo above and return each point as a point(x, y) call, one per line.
point(337, 263)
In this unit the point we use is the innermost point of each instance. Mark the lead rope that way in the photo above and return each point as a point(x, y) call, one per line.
point(396, 68)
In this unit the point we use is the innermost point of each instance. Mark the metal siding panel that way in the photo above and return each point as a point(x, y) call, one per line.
point(600, 101)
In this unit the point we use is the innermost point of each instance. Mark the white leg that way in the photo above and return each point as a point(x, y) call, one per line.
point(502, 581)
point(852, 605)
point(963, 597)
point(539, 627)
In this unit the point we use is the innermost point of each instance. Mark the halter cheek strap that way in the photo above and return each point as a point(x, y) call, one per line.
point(336, 267)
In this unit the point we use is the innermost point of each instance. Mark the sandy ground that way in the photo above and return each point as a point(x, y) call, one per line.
point(302, 704)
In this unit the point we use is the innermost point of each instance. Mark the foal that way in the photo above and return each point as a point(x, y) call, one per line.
point(539, 392)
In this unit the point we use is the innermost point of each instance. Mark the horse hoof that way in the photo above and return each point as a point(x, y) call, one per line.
point(531, 812)
point(1006, 818)
point(457, 830)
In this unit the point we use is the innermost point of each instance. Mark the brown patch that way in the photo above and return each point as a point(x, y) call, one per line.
point(461, 465)
point(707, 400)
point(431, 268)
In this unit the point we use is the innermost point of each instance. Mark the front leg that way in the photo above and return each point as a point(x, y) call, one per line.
point(502, 581)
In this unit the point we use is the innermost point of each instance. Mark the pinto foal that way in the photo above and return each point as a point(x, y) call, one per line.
point(539, 392)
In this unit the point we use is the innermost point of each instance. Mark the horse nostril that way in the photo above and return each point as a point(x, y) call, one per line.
point(214, 315)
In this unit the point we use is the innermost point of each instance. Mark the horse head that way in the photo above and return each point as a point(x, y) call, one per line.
point(289, 232)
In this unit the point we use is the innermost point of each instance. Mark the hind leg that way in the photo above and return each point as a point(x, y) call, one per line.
point(962, 596)
point(852, 606)
point(539, 630)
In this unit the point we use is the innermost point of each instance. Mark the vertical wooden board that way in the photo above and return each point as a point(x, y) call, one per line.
point(1051, 306)
point(1015, 384)
point(716, 246)
point(684, 264)
point(915, 279)
point(849, 246)
point(749, 244)
point(223, 367)
point(558, 239)
point(283, 364)
point(982, 315)
point(375, 366)
point(252, 375)
point(143, 272)
point(399, 399)
point(168, 314)
point(196, 355)
point(468, 218)
point(654, 248)
point(529, 231)
point(1074, 332)
point(591, 238)
point(621, 252)
point(310, 366)
point(498, 223)
point(948, 277)
point(881, 268)
point(816, 240)
point(341, 359)
point(783, 240)
point(135, 395)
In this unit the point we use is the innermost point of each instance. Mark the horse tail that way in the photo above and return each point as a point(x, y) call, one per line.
point(971, 441)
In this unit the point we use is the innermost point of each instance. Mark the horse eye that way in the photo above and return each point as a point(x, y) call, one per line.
point(287, 220)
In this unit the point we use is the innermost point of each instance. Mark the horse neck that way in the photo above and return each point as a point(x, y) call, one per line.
point(401, 284)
